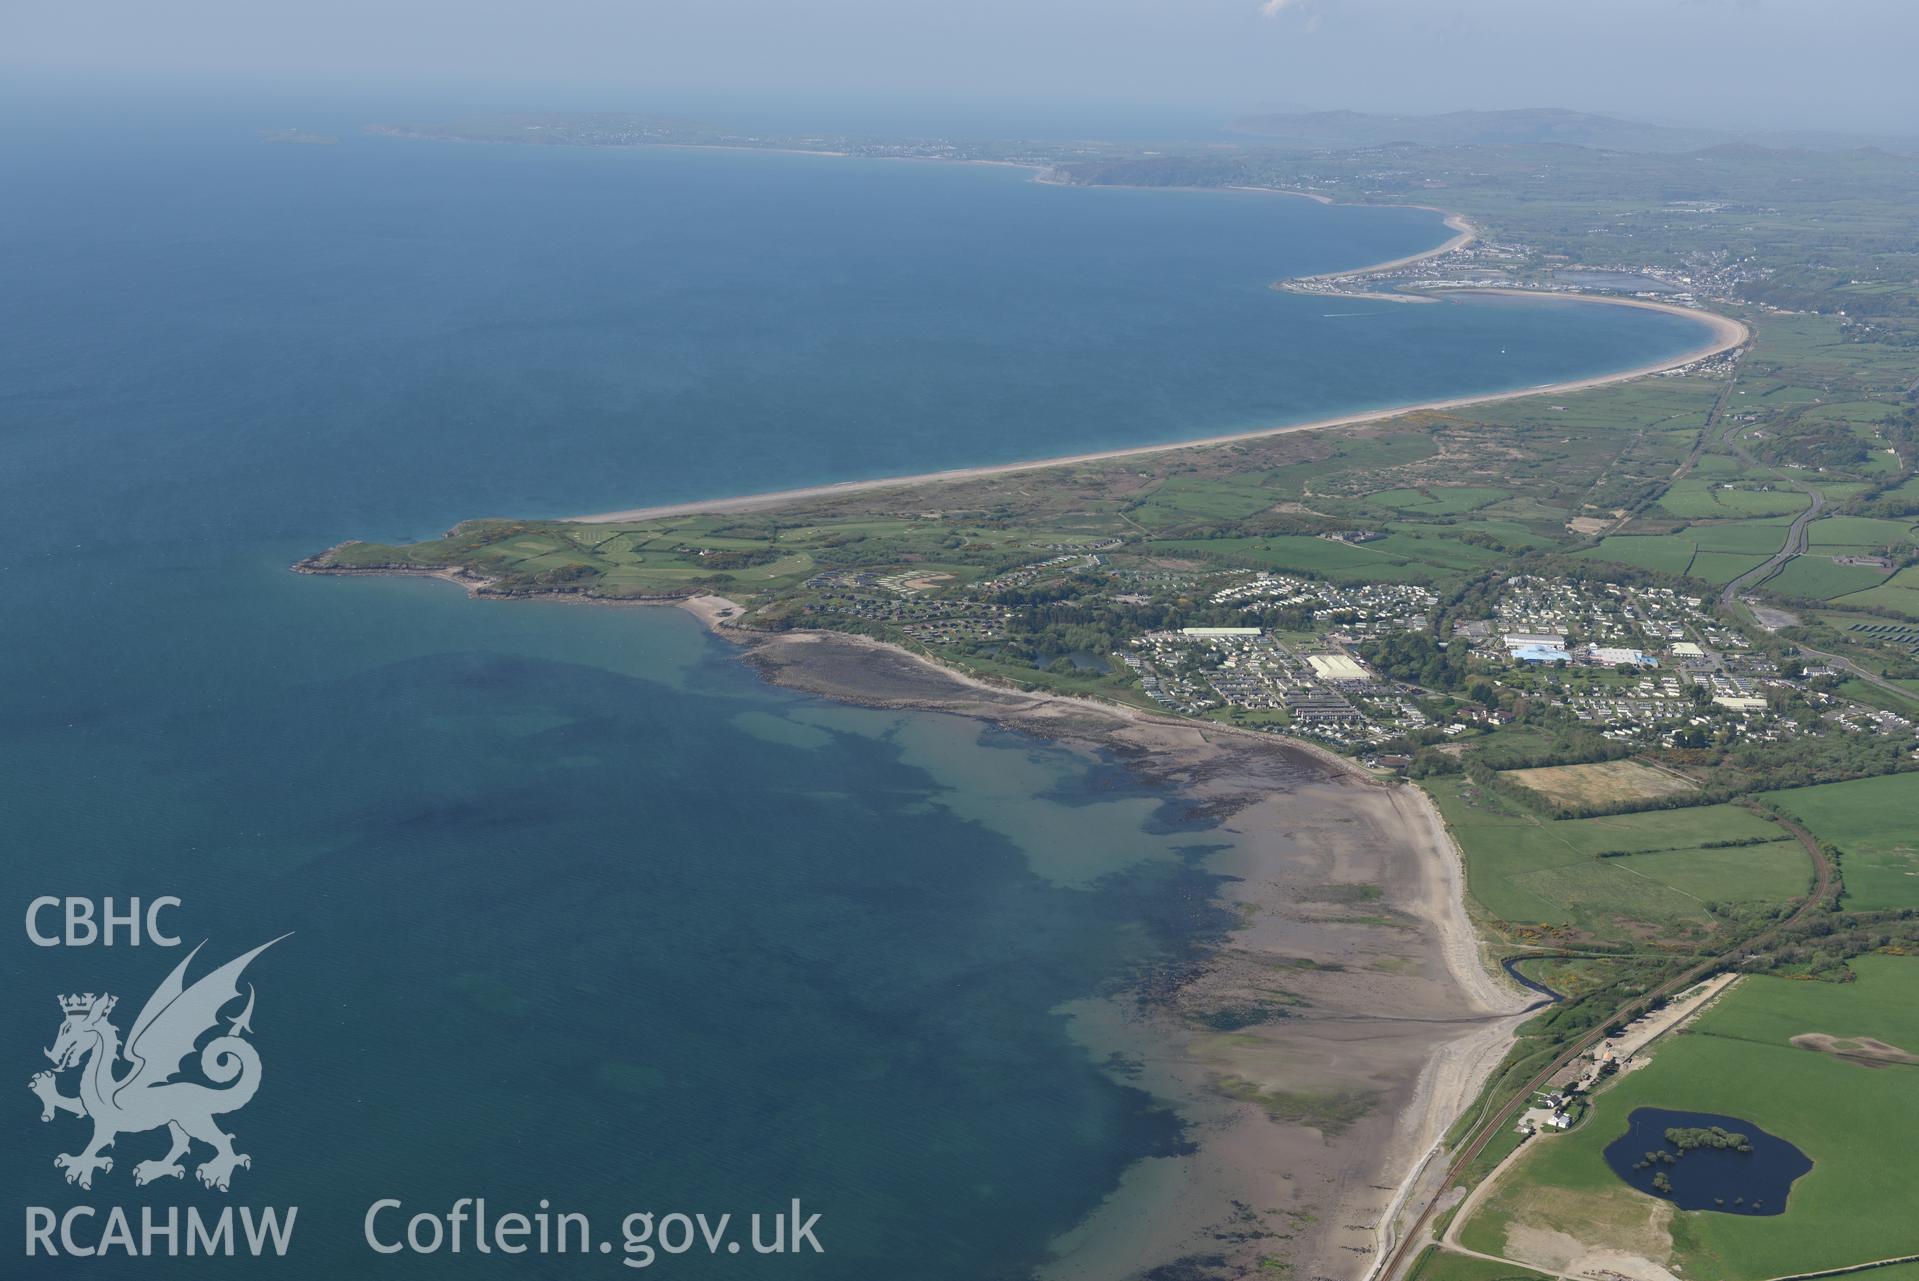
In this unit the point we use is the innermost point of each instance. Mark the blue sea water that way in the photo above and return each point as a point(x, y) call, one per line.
point(582, 910)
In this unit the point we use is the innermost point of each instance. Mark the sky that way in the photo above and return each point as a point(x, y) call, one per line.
point(1766, 64)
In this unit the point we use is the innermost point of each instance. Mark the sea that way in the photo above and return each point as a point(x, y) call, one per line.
point(574, 912)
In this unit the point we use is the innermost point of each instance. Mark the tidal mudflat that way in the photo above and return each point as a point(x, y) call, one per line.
point(1320, 1048)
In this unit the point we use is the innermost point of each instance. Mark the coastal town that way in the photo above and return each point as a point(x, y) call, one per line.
point(1483, 265)
point(1632, 658)
point(1028, 640)
point(1646, 666)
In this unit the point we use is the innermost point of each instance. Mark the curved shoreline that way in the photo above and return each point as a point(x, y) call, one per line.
point(1464, 233)
point(1234, 1145)
point(1456, 1067)
point(1726, 334)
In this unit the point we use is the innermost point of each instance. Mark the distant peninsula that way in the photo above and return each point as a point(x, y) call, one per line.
point(1608, 671)
point(298, 138)
point(631, 129)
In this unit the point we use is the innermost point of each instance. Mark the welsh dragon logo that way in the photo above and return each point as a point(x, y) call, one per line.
point(146, 1096)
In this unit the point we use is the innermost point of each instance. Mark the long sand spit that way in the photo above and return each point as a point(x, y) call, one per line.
point(1399, 1015)
point(1724, 334)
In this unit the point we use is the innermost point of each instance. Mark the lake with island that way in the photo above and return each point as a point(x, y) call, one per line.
point(1705, 1161)
point(582, 908)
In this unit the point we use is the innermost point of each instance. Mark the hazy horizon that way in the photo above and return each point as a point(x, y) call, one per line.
point(1144, 67)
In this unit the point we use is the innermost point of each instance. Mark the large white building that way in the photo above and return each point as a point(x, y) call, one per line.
point(1337, 667)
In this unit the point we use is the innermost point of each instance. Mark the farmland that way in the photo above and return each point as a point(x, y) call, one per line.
point(1598, 527)
point(1875, 824)
point(1620, 876)
point(1600, 783)
point(1739, 1060)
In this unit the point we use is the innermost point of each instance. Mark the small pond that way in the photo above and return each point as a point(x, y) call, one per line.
point(1703, 1161)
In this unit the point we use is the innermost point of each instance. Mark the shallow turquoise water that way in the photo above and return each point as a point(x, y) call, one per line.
point(583, 910)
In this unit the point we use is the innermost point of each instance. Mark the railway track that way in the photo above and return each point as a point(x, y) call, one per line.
point(1396, 1265)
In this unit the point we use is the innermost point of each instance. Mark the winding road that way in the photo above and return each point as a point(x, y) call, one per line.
point(1796, 544)
point(1797, 540)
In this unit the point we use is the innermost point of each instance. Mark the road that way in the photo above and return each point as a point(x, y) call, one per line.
point(1797, 540)
point(1706, 437)
point(1638, 1037)
point(1713, 416)
point(1796, 543)
point(1851, 668)
point(1406, 1250)
point(1796, 536)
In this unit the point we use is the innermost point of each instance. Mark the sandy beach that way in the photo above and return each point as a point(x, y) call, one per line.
point(1350, 900)
point(1464, 233)
point(1313, 1124)
point(1321, 1053)
point(1725, 334)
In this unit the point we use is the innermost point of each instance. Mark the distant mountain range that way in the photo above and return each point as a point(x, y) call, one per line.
point(1345, 130)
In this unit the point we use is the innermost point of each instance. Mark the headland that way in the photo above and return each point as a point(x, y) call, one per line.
point(1322, 1052)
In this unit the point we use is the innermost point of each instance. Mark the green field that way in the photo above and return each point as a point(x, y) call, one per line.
point(1184, 500)
point(1817, 576)
point(1720, 568)
point(1863, 533)
point(1664, 553)
point(1713, 551)
point(1438, 500)
point(1437, 1265)
point(1756, 538)
point(1875, 824)
point(1529, 870)
point(1900, 593)
point(1305, 554)
point(1435, 549)
point(1706, 499)
point(1855, 1122)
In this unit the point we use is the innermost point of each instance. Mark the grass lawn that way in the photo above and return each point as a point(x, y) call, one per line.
point(1875, 824)
point(1854, 1122)
point(1893, 1272)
